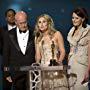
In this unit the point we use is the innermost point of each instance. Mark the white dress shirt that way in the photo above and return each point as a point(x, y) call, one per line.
point(22, 40)
point(10, 27)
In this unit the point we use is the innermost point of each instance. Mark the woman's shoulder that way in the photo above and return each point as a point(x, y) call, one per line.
point(87, 30)
point(88, 26)
point(57, 33)
point(71, 30)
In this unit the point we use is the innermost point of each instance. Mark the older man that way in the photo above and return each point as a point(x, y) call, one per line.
point(19, 50)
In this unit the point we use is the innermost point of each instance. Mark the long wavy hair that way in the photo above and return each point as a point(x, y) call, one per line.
point(52, 30)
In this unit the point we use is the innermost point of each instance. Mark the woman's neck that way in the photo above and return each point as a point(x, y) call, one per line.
point(45, 33)
point(79, 27)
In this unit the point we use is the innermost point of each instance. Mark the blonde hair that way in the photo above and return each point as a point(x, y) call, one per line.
point(51, 28)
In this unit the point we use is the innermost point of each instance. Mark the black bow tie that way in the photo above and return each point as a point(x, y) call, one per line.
point(22, 31)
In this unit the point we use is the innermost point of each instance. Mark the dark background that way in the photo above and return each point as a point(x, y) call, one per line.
point(59, 10)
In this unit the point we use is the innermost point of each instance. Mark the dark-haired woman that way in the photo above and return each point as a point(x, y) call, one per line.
point(79, 39)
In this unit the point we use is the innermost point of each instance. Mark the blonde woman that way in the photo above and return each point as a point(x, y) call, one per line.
point(46, 34)
point(49, 45)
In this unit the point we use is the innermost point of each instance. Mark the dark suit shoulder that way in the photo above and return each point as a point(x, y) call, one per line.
point(1, 30)
point(12, 31)
point(5, 28)
point(31, 30)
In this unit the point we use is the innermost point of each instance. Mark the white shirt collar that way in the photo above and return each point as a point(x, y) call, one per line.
point(11, 27)
point(21, 33)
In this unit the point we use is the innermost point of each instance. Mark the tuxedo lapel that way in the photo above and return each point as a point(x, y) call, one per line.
point(28, 43)
point(30, 40)
point(13, 37)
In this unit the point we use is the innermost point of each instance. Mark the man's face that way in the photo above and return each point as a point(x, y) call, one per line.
point(10, 18)
point(21, 23)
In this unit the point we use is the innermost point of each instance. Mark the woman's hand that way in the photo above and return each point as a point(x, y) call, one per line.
point(86, 77)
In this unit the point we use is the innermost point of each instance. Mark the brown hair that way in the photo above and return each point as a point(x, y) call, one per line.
point(81, 12)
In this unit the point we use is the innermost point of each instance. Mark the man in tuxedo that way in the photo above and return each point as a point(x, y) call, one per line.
point(10, 24)
point(1, 44)
point(19, 50)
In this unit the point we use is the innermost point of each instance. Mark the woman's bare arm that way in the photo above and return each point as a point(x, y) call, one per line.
point(60, 42)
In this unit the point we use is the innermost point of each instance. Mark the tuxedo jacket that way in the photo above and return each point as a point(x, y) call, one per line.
point(2, 35)
point(1, 40)
point(12, 54)
point(5, 27)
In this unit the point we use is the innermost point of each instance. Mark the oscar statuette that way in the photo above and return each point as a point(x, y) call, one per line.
point(53, 61)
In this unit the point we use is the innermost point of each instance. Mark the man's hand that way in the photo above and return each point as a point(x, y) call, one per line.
point(9, 79)
point(6, 69)
point(86, 77)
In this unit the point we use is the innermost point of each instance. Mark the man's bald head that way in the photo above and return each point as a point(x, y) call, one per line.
point(20, 15)
point(21, 20)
